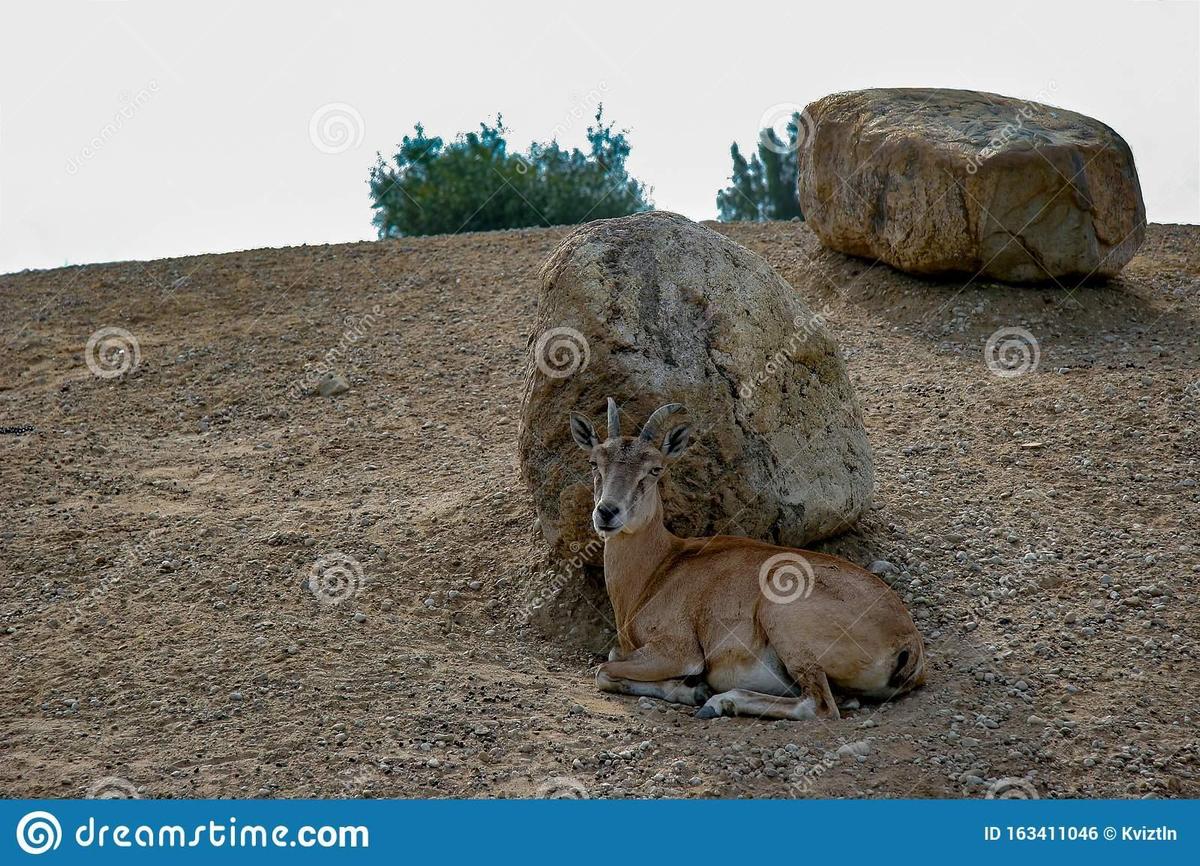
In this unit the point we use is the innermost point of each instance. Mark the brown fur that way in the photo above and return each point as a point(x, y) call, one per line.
point(687, 607)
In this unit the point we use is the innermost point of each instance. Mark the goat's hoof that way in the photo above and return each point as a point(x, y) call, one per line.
point(706, 712)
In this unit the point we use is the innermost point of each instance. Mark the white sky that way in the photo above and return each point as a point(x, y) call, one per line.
point(218, 156)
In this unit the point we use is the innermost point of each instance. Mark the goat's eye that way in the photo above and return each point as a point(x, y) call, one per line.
point(656, 471)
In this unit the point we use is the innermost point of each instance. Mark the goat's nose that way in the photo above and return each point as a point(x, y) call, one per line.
point(606, 511)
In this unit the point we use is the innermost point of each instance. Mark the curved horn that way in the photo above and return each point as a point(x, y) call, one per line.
point(614, 419)
point(656, 419)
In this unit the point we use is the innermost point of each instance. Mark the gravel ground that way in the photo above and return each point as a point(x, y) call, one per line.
point(162, 633)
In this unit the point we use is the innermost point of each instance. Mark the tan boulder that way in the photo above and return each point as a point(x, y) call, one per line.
point(654, 308)
point(960, 181)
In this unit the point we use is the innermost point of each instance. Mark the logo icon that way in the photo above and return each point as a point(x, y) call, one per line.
point(786, 577)
point(112, 352)
point(112, 788)
point(1011, 788)
point(784, 128)
point(335, 577)
point(562, 788)
point(38, 832)
point(336, 128)
point(562, 351)
point(1012, 352)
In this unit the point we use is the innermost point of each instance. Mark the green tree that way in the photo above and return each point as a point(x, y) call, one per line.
point(474, 183)
point(765, 187)
point(745, 198)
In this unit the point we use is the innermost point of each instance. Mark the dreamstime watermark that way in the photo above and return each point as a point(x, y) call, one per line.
point(786, 577)
point(95, 595)
point(1012, 352)
point(561, 352)
point(589, 102)
point(785, 127)
point(131, 105)
point(39, 832)
point(1012, 788)
point(112, 788)
point(562, 788)
point(335, 577)
point(1008, 132)
point(803, 778)
point(336, 127)
point(356, 329)
point(583, 107)
point(112, 352)
point(805, 327)
point(565, 574)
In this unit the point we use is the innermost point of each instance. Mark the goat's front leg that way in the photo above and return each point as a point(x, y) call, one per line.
point(657, 672)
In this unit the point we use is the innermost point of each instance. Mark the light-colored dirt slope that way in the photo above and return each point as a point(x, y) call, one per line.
point(155, 619)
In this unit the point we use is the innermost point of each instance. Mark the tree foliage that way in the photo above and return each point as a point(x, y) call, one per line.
point(764, 188)
point(475, 183)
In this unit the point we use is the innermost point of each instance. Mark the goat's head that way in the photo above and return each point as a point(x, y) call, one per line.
point(626, 469)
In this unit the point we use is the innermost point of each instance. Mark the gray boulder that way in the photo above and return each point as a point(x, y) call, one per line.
point(654, 308)
point(958, 181)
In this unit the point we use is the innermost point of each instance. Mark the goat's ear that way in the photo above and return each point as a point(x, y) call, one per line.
point(676, 441)
point(583, 432)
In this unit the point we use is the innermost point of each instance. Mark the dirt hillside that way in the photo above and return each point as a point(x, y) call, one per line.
point(161, 631)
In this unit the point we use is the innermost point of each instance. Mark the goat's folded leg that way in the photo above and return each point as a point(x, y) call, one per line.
point(668, 672)
point(813, 699)
point(681, 691)
point(743, 702)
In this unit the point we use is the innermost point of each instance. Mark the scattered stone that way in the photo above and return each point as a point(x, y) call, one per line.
point(856, 749)
point(331, 383)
